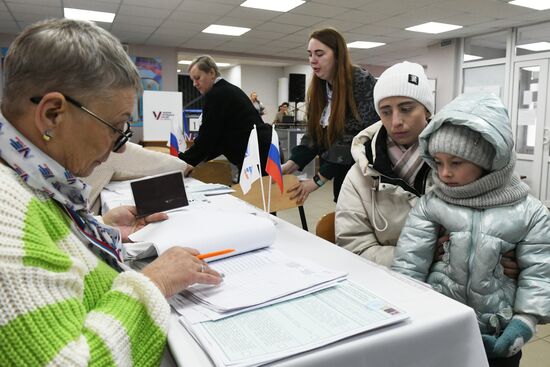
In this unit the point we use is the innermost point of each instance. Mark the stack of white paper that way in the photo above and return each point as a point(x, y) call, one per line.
point(208, 189)
point(207, 230)
point(258, 277)
point(274, 332)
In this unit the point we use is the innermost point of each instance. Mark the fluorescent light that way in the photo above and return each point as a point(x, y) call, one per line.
point(537, 46)
point(365, 44)
point(188, 62)
point(471, 57)
point(532, 69)
point(179, 70)
point(433, 27)
point(533, 4)
point(94, 16)
point(279, 5)
point(225, 29)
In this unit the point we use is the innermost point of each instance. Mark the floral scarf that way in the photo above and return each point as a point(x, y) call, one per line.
point(41, 172)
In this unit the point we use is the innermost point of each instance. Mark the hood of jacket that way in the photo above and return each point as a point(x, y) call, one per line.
point(481, 112)
point(358, 146)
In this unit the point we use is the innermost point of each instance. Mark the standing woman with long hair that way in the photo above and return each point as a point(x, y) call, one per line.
point(339, 105)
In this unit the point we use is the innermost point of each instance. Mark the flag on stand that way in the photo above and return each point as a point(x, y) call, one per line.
point(177, 138)
point(251, 163)
point(273, 166)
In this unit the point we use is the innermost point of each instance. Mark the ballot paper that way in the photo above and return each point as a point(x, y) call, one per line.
point(258, 277)
point(284, 329)
point(208, 189)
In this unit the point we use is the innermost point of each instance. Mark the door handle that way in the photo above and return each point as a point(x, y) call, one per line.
point(545, 138)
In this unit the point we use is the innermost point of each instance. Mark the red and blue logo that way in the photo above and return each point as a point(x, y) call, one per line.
point(70, 178)
point(21, 148)
point(24, 175)
point(45, 171)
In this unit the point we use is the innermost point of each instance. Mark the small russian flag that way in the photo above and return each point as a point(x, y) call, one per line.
point(273, 166)
point(177, 139)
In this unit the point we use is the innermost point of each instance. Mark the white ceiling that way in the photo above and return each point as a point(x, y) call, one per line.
point(280, 38)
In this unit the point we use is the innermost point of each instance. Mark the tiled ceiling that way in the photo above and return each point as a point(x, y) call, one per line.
point(281, 37)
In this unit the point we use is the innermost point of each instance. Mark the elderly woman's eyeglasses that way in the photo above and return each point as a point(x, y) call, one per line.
point(124, 135)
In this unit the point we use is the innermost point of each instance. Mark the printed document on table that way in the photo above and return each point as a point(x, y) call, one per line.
point(195, 311)
point(285, 329)
point(258, 277)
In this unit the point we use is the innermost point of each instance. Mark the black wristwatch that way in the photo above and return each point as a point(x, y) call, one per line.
point(318, 180)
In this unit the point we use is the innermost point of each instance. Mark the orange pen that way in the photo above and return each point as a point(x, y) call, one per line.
point(214, 253)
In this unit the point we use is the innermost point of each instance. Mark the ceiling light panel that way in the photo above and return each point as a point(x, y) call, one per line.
point(471, 57)
point(365, 44)
point(433, 27)
point(533, 4)
point(94, 16)
point(277, 5)
point(537, 46)
point(225, 30)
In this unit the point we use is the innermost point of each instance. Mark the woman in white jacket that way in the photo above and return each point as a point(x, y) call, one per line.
point(389, 174)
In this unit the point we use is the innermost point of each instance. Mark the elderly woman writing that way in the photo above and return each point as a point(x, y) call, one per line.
point(69, 90)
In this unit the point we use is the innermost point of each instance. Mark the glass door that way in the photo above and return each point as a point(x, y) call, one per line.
point(528, 123)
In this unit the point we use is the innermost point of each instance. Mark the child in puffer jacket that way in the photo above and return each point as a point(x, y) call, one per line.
point(487, 211)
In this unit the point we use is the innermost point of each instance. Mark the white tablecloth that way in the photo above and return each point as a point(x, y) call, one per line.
point(440, 332)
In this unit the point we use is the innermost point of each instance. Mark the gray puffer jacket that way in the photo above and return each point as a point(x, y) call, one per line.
point(470, 271)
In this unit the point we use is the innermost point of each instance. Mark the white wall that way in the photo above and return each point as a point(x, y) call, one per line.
point(442, 64)
point(263, 80)
point(232, 75)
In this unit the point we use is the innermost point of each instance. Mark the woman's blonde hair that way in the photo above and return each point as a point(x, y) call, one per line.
point(343, 101)
point(205, 63)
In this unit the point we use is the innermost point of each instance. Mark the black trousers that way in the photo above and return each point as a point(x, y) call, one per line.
point(512, 361)
point(338, 179)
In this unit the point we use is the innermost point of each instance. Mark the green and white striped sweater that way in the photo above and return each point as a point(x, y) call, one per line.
point(59, 303)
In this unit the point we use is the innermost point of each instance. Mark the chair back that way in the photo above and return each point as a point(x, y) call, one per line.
point(325, 227)
point(278, 201)
point(218, 171)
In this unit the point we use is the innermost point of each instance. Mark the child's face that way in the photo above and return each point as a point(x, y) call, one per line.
point(455, 171)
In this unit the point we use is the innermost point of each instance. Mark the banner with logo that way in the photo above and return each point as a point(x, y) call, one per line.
point(161, 111)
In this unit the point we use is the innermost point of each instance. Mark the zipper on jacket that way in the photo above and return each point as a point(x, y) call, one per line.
point(379, 180)
point(376, 185)
point(476, 220)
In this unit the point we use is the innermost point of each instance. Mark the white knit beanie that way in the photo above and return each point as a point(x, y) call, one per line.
point(405, 79)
